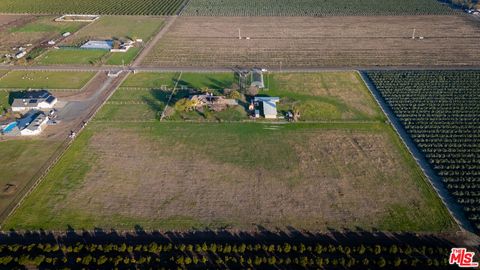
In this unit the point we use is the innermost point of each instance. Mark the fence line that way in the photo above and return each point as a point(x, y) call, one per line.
point(44, 170)
point(171, 95)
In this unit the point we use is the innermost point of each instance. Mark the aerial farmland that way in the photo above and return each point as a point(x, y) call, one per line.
point(305, 42)
point(220, 134)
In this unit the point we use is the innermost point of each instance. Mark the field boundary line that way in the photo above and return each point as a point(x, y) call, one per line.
point(246, 121)
point(217, 69)
point(6, 73)
point(183, 7)
point(170, 98)
point(435, 182)
point(90, 80)
point(153, 41)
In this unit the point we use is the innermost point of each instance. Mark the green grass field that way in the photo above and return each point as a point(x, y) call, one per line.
point(182, 176)
point(41, 29)
point(72, 57)
point(4, 100)
point(347, 173)
point(329, 96)
point(108, 27)
point(19, 162)
point(45, 79)
point(123, 58)
point(47, 24)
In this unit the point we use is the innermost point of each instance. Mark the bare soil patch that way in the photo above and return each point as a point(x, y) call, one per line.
point(7, 21)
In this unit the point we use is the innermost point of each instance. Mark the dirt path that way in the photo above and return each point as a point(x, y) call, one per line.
point(80, 107)
point(154, 41)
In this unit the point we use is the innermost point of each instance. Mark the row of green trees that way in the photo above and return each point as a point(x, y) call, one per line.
point(220, 254)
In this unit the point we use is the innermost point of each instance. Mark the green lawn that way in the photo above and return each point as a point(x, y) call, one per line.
point(19, 162)
point(47, 24)
point(4, 100)
point(183, 175)
point(123, 58)
point(151, 80)
point(326, 96)
point(108, 27)
point(72, 57)
point(45, 79)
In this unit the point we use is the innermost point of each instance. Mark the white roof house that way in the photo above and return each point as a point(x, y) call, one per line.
point(33, 123)
point(268, 106)
point(41, 99)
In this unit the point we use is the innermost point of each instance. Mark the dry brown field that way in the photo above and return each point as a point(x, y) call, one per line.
point(319, 42)
point(177, 176)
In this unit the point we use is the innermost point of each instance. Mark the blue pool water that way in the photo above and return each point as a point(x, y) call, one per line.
point(9, 127)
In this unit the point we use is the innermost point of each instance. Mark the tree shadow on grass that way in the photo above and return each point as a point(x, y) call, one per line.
point(261, 234)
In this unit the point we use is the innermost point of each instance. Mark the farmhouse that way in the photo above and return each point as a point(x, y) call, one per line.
point(32, 123)
point(98, 45)
point(266, 106)
point(41, 99)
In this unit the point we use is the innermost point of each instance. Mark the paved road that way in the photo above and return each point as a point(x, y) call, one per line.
point(228, 69)
point(73, 109)
point(453, 207)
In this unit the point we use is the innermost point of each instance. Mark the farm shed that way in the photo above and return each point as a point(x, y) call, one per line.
point(98, 45)
point(41, 99)
point(267, 106)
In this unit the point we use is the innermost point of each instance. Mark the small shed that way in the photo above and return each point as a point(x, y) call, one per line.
point(267, 106)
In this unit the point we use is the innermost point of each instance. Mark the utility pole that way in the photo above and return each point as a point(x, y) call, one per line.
point(239, 34)
point(413, 35)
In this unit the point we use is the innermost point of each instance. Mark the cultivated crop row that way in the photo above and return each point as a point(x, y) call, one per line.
point(108, 7)
point(441, 112)
point(317, 42)
point(313, 7)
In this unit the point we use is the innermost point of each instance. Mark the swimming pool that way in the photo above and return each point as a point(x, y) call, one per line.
point(9, 127)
